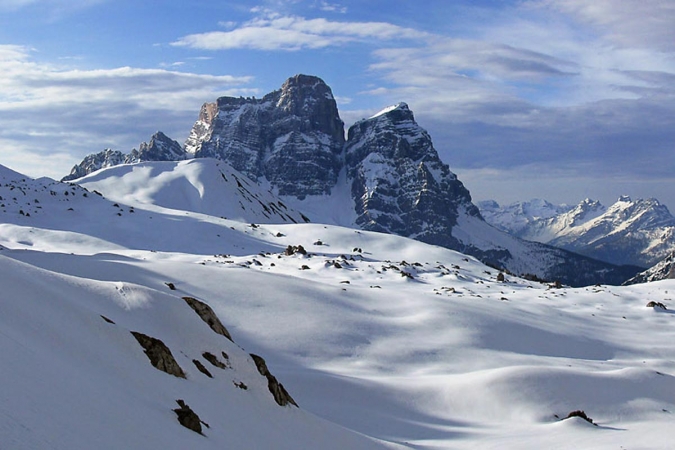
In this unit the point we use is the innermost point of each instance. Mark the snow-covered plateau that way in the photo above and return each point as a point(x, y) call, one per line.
point(382, 341)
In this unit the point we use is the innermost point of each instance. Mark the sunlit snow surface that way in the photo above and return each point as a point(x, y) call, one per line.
point(413, 345)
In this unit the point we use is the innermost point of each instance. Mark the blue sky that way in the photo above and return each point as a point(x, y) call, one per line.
point(558, 99)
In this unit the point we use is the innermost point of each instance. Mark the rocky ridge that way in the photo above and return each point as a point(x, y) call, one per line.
point(159, 148)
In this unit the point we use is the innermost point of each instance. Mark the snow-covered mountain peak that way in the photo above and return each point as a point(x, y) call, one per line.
point(584, 212)
point(640, 213)
point(515, 217)
point(401, 106)
point(398, 133)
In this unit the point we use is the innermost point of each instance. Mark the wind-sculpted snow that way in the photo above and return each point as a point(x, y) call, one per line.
point(74, 376)
point(205, 186)
point(415, 345)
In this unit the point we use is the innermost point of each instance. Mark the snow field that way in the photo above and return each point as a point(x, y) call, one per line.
point(444, 357)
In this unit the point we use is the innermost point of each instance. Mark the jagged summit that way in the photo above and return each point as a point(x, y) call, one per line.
point(159, 148)
point(291, 138)
point(398, 182)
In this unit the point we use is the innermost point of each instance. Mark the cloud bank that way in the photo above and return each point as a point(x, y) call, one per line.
point(55, 114)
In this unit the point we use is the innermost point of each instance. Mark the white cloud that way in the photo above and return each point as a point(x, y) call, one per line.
point(537, 92)
point(333, 7)
point(292, 33)
point(65, 114)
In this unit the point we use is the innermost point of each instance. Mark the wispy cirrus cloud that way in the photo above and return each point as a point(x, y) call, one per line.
point(293, 33)
point(631, 23)
point(332, 7)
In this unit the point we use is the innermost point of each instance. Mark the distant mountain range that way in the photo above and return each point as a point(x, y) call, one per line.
point(386, 176)
point(638, 232)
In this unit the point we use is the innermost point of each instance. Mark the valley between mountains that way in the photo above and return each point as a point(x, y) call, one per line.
point(338, 302)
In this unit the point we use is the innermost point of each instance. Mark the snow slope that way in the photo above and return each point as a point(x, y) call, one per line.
point(203, 185)
point(71, 379)
point(414, 345)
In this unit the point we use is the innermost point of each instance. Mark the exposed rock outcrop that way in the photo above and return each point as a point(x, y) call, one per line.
point(213, 359)
point(160, 148)
point(198, 364)
point(188, 418)
point(92, 163)
point(159, 354)
point(281, 395)
point(205, 312)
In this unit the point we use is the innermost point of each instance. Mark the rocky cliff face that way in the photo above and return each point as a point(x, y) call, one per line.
point(159, 148)
point(293, 138)
point(398, 182)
